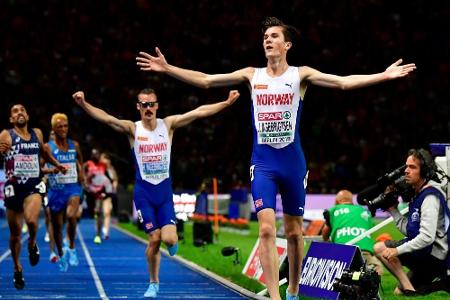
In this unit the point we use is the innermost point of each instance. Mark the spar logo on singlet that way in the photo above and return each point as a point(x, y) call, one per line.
point(274, 116)
point(153, 158)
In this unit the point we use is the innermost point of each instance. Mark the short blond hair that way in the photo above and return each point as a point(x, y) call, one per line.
point(58, 116)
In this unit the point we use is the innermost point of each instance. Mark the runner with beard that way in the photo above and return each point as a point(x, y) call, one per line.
point(22, 148)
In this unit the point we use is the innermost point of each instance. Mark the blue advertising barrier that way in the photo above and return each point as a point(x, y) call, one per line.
point(322, 264)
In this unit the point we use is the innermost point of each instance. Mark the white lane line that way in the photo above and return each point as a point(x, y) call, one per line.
point(97, 281)
point(24, 238)
point(8, 252)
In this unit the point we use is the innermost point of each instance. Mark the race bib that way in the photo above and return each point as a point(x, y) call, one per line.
point(71, 175)
point(155, 167)
point(275, 127)
point(9, 191)
point(26, 166)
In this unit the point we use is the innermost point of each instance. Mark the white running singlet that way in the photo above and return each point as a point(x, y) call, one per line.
point(275, 106)
point(152, 152)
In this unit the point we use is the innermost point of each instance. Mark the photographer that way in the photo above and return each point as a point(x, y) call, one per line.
point(424, 250)
point(345, 221)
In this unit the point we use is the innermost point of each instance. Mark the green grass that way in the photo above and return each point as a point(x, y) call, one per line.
point(210, 258)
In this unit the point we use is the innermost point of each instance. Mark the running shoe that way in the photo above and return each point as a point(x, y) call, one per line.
point(53, 257)
point(173, 249)
point(66, 242)
point(97, 239)
point(47, 237)
point(105, 234)
point(291, 297)
point(73, 257)
point(152, 290)
point(33, 254)
point(24, 228)
point(63, 262)
point(19, 282)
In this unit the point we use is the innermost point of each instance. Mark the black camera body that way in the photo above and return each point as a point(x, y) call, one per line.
point(375, 197)
point(363, 284)
point(399, 188)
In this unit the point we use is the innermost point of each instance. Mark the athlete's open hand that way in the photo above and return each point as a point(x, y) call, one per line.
point(148, 62)
point(232, 97)
point(396, 70)
point(79, 98)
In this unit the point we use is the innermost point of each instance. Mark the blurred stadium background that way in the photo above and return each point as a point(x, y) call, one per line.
point(49, 49)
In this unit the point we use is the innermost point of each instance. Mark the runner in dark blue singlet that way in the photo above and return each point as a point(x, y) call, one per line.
point(22, 148)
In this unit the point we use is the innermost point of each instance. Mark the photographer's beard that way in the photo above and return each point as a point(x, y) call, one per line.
point(418, 185)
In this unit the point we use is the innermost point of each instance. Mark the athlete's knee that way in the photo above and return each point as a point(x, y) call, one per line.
point(171, 240)
point(267, 230)
point(32, 224)
point(155, 237)
point(152, 248)
point(14, 238)
point(71, 214)
point(293, 235)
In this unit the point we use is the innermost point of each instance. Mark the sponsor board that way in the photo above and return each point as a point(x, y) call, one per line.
point(323, 263)
point(253, 268)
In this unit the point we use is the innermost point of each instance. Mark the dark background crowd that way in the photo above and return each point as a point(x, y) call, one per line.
point(49, 49)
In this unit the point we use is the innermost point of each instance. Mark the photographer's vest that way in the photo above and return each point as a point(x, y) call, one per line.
point(349, 221)
point(414, 214)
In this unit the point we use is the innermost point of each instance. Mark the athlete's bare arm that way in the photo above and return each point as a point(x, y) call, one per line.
point(44, 168)
point(396, 70)
point(87, 178)
point(46, 153)
point(158, 63)
point(123, 126)
point(5, 141)
point(80, 168)
point(176, 121)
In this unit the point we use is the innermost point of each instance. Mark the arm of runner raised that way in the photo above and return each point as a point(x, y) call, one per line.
point(203, 111)
point(158, 63)
point(123, 126)
point(394, 71)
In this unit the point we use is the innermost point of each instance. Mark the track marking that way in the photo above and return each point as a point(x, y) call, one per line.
point(97, 281)
point(8, 252)
point(24, 238)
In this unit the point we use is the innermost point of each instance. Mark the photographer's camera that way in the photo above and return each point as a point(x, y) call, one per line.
point(384, 194)
point(363, 284)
